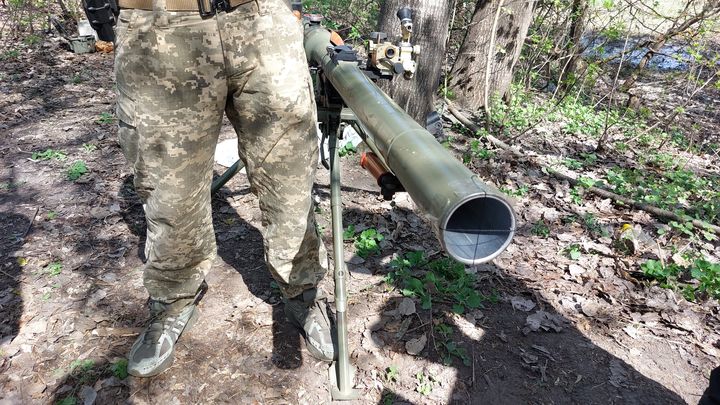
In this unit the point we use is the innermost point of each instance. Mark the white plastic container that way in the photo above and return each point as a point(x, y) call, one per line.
point(84, 28)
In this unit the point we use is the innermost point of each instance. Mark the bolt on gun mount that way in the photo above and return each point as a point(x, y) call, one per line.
point(474, 223)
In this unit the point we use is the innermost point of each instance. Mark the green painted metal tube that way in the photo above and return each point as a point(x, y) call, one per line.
point(473, 221)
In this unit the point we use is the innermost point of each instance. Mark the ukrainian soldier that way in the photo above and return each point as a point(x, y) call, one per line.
point(181, 64)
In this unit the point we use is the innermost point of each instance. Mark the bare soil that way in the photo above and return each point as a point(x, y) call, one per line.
point(607, 335)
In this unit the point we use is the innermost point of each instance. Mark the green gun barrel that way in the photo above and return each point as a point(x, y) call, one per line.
point(473, 221)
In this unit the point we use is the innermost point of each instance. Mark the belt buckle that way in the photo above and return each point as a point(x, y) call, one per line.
point(206, 9)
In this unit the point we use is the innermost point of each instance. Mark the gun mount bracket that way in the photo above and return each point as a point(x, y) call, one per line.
point(342, 53)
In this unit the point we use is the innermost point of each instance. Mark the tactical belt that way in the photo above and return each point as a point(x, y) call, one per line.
point(205, 7)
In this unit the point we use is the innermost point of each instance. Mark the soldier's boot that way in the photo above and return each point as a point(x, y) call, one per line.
point(308, 312)
point(153, 351)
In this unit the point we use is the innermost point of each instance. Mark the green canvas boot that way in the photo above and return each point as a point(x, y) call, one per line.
point(308, 312)
point(153, 351)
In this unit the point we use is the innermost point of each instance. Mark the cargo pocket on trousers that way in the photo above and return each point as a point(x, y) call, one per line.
point(124, 26)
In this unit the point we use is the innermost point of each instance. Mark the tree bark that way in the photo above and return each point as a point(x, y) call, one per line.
point(468, 75)
point(430, 29)
point(578, 17)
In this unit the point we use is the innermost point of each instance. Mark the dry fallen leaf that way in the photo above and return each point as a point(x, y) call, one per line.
point(415, 346)
point(103, 46)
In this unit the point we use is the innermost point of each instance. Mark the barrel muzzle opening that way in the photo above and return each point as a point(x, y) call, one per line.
point(478, 228)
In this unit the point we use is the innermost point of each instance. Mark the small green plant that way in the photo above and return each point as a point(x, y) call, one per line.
point(388, 397)
point(89, 147)
point(572, 164)
point(349, 232)
point(119, 369)
point(54, 268)
point(32, 39)
point(347, 149)
point(45, 297)
point(444, 279)
point(424, 383)
point(392, 373)
point(450, 348)
point(540, 229)
point(591, 223)
point(704, 277)
point(9, 186)
point(367, 242)
point(479, 151)
point(83, 371)
point(105, 118)
point(71, 400)
point(49, 154)
point(76, 170)
point(10, 54)
point(51, 215)
point(518, 192)
point(573, 252)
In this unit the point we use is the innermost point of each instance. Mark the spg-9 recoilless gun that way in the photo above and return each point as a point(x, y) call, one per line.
point(473, 221)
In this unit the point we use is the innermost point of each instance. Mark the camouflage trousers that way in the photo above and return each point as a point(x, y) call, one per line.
point(176, 74)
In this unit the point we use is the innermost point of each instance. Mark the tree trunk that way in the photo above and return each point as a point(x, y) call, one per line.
point(430, 29)
point(578, 17)
point(468, 76)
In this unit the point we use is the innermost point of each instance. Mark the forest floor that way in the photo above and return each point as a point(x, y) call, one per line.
point(564, 317)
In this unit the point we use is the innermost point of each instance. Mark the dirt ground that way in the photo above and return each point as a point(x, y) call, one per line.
point(551, 331)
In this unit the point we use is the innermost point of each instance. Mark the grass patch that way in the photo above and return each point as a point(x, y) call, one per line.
point(49, 154)
point(366, 242)
point(441, 280)
point(76, 170)
point(698, 281)
point(105, 118)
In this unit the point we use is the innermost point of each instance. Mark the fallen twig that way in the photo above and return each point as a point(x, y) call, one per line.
point(32, 220)
point(659, 212)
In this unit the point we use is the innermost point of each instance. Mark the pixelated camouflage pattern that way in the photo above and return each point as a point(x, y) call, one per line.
point(176, 74)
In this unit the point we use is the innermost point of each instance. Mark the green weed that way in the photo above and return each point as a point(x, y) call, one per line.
point(49, 154)
point(367, 242)
point(450, 348)
point(76, 170)
point(10, 54)
point(424, 383)
point(675, 189)
point(71, 400)
point(517, 192)
point(478, 151)
point(105, 118)
point(54, 268)
point(349, 232)
point(701, 279)
point(51, 215)
point(392, 373)
point(119, 369)
point(591, 223)
point(347, 149)
point(573, 252)
point(443, 280)
point(32, 39)
point(540, 229)
point(10, 186)
point(89, 147)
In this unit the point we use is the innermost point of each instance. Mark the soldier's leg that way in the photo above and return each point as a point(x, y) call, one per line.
point(273, 111)
point(171, 94)
point(272, 108)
